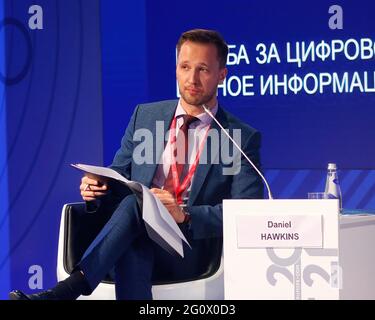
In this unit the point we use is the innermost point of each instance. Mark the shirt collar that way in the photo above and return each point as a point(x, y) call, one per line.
point(203, 117)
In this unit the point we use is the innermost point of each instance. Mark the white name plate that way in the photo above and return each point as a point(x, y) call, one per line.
point(262, 231)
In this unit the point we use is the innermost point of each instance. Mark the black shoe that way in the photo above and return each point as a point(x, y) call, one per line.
point(43, 295)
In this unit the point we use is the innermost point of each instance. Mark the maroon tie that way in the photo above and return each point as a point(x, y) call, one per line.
point(180, 153)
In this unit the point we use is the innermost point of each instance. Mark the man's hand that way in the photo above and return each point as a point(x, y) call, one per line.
point(91, 189)
point(170, 203)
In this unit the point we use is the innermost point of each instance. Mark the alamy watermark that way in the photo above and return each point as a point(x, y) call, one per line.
point(36, 279)
point(36, 18)
point(336, 21)
point(218, 149)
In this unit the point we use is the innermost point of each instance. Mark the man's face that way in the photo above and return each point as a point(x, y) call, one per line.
point(198, 73)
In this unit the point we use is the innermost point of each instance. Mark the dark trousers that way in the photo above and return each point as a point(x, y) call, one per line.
point(123, 243)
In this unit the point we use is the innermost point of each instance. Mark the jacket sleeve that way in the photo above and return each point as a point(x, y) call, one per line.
point(121, 163)
point(123, 157)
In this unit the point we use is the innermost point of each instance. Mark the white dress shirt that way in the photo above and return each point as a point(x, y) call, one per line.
point(195, 140)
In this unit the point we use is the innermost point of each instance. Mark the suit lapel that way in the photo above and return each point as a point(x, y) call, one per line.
point(203, 169)
point(163, 113)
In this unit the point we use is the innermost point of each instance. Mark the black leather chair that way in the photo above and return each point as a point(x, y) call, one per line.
point(79, 228)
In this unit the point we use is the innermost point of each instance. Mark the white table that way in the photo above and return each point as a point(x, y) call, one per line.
point(357, 256)
point(347, 265)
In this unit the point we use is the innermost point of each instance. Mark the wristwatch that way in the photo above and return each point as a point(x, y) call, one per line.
point(187, 217)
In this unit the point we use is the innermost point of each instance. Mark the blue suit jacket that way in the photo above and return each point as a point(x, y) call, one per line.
point(209, 186)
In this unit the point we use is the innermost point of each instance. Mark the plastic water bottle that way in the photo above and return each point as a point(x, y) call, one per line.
point(332, 184)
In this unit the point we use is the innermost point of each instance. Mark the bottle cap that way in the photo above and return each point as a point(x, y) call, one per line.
point(332, 166)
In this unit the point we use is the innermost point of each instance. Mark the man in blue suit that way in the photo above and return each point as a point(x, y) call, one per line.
point(191, 186)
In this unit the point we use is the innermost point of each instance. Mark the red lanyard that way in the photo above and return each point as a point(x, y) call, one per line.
point(179, 189)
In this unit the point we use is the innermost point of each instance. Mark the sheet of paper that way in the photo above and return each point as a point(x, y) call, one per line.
point(168, 218)
point(165, 230)
point(158, 224)
point(101, 171)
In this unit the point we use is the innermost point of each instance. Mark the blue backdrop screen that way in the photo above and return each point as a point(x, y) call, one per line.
point(311, 111)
